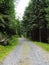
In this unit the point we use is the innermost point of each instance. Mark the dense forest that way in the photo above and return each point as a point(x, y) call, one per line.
point(35, 23)
point(7, 17)
point(36, 20)
point(8, 23)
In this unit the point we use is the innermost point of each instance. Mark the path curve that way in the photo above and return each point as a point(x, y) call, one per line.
point(27, 53)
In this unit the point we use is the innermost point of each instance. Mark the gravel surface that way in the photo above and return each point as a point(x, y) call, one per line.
point(27, 53)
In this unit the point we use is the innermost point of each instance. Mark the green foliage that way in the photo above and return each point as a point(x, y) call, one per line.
point(19, 27)
point(34, 20)
point(5, 50)
point(7, 17)
point(45, 46)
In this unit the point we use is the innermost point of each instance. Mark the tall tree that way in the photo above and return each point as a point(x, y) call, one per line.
point(6, 16)
point(34, 20)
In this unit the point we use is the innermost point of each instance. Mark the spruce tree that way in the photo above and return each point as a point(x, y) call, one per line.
point(35, 21)
point(42, 21)
point(7, 25)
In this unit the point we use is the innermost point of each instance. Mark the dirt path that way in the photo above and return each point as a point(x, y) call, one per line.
point(27, 53)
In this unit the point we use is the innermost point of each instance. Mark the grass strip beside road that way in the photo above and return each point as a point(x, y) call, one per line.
point(5, 50)
point(45, 46)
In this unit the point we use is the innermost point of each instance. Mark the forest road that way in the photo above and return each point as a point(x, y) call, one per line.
point(27, 53)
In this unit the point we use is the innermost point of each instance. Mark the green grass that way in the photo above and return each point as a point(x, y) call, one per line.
point(45, 46)
point(5, 50)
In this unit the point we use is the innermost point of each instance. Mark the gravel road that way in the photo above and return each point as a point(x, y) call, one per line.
point(27, 53)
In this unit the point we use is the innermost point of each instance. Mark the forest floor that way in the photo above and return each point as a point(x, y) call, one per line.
point(27, 53)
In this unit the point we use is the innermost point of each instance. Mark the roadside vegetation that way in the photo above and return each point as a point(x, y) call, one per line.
point(45, 46)
point(8, 28)
point(5, 50)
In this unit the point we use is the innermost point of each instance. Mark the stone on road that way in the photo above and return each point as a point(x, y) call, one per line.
point(27, 53)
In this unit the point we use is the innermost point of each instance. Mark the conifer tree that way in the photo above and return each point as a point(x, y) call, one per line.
point(34, 20)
